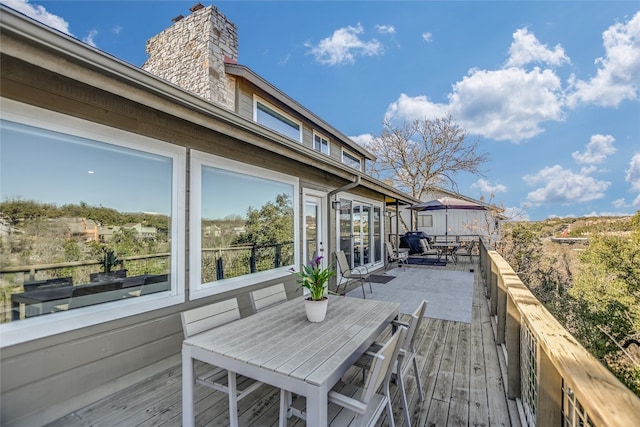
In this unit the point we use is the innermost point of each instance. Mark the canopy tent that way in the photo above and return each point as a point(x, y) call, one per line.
point(447, 203)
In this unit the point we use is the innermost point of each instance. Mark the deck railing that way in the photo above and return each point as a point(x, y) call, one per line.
point(554, 380)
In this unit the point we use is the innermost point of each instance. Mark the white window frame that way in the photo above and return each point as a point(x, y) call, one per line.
point(201, 290)
point(257, 99)
point(353, 158)
point(323, 139)
point(43, 326)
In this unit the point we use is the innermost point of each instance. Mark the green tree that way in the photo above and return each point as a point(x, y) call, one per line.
point(606, 289)
point(271, 224)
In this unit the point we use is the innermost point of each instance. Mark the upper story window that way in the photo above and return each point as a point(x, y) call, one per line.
point(320, 143)
point(243, 224)
point(92, 223)
point(351, 160)
point(270, 117)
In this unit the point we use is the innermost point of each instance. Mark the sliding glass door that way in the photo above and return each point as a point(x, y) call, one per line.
point(360, 232)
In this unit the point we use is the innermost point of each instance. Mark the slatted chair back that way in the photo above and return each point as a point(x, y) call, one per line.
point(381, 367)
point(266, 297)
point(343, 264)
point(209, 316)
point(414, 325)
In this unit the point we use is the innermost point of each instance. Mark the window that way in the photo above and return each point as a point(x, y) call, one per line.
point(93, 232)
point(277, 121)
point(320, 144)
point(244, 224)
point(351, 160)
point(425, 220)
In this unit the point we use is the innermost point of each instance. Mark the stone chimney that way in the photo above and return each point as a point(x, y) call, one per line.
point(191, 54)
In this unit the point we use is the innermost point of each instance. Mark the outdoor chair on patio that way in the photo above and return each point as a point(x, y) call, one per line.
point(266, 297)
point(346, 273)
point(427, 249)
point(406, 358)
point(208, 317)
point(352, 405)
point(402, 257)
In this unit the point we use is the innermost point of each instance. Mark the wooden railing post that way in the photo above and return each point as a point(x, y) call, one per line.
point(549, 411)
point(493, 290)
point(512, 343)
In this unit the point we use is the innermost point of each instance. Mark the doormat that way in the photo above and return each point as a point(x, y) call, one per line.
point(379, 278)
point(426, 261)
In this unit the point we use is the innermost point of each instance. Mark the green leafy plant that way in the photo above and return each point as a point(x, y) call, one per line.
point(314, 278)
point(109, 260)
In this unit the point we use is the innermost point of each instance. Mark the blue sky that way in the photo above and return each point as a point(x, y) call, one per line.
point(550, 89)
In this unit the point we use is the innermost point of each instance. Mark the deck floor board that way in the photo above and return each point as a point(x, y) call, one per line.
point(459, 369)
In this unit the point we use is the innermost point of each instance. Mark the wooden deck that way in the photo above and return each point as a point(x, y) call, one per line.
point(460, 370)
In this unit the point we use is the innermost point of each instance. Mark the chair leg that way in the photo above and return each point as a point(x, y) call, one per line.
point(390, 419)
point(362, 286)
point(418, 383)
point(405, 404)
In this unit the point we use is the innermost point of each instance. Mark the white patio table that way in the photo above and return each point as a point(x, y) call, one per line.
point(279, 346)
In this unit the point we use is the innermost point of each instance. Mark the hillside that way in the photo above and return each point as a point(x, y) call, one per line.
point(590, 283)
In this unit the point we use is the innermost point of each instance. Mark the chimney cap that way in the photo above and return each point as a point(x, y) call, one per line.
point(177, 18)
point(195, 7)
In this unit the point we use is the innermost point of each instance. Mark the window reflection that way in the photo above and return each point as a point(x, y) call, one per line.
point(247, 224)
point(82, 222)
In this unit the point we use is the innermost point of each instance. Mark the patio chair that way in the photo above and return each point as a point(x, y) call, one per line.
point(211, 316)
point(353, 405)
point(406, 358)
point(267, 297)
point(427, 249)
point(401, 257)
point(346, 272)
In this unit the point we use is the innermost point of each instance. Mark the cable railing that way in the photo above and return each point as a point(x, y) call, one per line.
point(554, 380)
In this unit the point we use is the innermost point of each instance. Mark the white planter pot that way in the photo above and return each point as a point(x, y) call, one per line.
point(316, 310)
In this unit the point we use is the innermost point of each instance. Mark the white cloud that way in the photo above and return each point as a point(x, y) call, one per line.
point(39, 13)
point(526, 49)
point(620, 203)
point(386, 29)
point(407, 108)
point(363, 140)
point(117, 29)
point(505, 104)
point(564, 186)
point(617, 77)
point(427, 36)
point(486, 187)
point(90, 38)
point(343, 46)
point(598, 148)
point(633, 177)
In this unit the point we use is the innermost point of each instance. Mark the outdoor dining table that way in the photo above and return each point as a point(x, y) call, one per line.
point(447, 248)
point(280, 347)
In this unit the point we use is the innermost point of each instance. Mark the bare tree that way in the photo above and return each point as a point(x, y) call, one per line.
point(424, 153)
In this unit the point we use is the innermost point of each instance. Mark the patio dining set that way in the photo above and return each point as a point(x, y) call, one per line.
point(273, 347)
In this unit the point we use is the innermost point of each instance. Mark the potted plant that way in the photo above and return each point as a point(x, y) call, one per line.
point(314, 278)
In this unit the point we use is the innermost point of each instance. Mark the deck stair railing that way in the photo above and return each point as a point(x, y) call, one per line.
point(554, 380)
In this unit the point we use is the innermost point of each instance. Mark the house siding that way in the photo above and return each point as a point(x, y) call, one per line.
point(44, 379)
